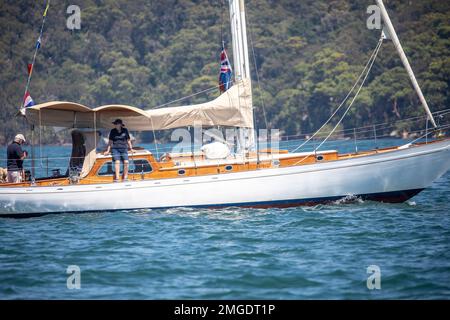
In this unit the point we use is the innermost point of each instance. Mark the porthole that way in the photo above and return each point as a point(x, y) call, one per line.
point(181, 172)
point(319, 157)
point(229, 168)
point(276, 163)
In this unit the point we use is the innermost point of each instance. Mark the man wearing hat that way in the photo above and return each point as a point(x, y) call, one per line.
point(119, 142)
point(15, 157)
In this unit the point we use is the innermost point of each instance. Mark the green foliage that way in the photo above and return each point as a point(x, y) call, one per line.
point(147, 53)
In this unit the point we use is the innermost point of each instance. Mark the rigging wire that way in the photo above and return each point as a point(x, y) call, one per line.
point(222, 42)
point(354, 98)
point(256, 71)
point(347, 96)
point(186, 97)
point(369, 68)
point(378, 126)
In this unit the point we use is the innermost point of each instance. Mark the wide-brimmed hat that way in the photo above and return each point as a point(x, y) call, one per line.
point(19, 137)
point(118, 121)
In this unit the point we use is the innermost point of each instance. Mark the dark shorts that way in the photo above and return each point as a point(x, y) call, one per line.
point(119, 154)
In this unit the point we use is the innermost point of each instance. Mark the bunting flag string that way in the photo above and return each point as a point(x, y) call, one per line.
point(27, 100)
point(30, 69)
point(46, 8)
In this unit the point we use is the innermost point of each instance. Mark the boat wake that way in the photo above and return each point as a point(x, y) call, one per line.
point(349, 199)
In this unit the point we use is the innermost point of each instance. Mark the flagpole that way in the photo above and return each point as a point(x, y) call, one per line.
point(37, 46)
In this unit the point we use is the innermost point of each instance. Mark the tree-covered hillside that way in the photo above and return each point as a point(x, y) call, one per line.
point(149, 52)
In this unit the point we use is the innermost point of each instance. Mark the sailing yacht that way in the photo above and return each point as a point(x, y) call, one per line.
point(249, 178)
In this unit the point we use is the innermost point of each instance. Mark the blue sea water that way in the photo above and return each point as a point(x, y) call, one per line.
point(320, 252)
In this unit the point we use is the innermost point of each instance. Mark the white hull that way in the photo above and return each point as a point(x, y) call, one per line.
point(393, 176)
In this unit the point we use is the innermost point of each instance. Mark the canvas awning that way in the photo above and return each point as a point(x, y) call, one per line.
point(233, 108)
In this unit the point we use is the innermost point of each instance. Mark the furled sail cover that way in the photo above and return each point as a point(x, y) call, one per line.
point(233, 108)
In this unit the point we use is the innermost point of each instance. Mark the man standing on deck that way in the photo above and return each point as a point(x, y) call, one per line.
point(15, 157)
point(119, 142)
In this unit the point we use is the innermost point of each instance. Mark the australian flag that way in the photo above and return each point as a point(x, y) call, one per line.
point(225, 71)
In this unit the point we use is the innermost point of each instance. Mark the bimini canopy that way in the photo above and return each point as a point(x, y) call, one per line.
point(232, 108)
point(61, 114)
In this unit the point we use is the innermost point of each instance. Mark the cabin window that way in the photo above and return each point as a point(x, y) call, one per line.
point(135, 166)
point(229, 168)
point(181, 172)
point(140, 166)
point(319, 158)
point(107, 169)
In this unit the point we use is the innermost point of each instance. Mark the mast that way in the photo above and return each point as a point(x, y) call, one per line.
point(246, 63)
point(241, 61)
point(404, 59)
point(239, 40)
point(239, 46)
point(234, 21)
